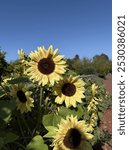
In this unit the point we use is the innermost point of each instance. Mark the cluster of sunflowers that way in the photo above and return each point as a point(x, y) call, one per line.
point(51, 103)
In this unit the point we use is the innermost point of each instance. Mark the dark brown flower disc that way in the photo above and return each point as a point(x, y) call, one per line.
point(46, 65)
point(72, 139)
point(21, 96)
point(68, 89)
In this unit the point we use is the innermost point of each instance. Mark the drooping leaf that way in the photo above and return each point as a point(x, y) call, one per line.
point(37, 143)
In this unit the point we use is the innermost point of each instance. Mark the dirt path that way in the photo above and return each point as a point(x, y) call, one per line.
point(106, 124)
point(108, 83)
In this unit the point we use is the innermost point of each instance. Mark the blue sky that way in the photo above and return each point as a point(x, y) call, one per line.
point(73, 26)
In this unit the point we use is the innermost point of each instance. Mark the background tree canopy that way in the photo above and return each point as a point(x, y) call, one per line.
point(99, 65)
point(3, 63)
point(5, 67)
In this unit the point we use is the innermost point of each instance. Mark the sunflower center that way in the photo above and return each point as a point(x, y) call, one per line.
point(46, 65)
point(68, 89)
point(72, 138)
point(21, 96)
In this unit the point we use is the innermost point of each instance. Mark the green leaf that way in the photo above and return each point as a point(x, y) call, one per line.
point(86, 115)
point(37, 143)
point(18, 80)
point(6, 108)
point(2, 93)
point(51, 120)
point(63, 112)
point(80, 111)
point(100, 115)
point(86, 146)
point(101, 108)
point(51, 132)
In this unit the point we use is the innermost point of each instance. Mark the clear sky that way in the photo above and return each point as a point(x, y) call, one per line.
point(81, 27)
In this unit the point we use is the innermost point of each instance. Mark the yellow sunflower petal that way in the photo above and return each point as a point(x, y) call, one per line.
point(67, 102)
point(58, 58)
point(70, 89)
point(70, 128)
point(46, 63)
point(55, 53)
point(24, 101)
point(59, 100)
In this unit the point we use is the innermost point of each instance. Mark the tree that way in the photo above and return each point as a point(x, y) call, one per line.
point(76, 57)
point(3, 63)
point(102, 64)
point(5, 67)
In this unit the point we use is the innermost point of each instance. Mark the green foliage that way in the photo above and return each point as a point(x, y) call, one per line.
point(6, 138)
point(101, 137)
point(86, 145)
point(102, 64)
point(1, 142)
point(51, 132)
point(37, 143)
point(51, 120)
point(3, 63)
point(18, 69)
point(6, 108)
point(22, 79)
point(5, 68)
point(63, 112)
point(99, 65)
point(26, 131)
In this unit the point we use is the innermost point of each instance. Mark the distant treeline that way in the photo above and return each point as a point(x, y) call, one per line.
point(99, 65)
point(6, 68)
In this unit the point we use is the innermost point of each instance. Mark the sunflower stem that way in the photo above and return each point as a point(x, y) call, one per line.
point(20, 145)
point(40, 104)
point(41, 97)
point(22, 133)
point(40, 108)
point(26, 124)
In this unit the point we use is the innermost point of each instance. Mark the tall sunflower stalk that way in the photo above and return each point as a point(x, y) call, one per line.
point(92, 107)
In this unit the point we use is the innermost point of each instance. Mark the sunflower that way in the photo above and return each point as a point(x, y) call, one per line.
point(21, 54)
point(23, 100)
point(71, 134)
point(94, 89)
point(46, 66)
point(70, 90)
